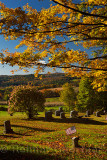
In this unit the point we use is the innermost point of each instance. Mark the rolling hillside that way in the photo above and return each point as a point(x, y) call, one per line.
point(48, 80)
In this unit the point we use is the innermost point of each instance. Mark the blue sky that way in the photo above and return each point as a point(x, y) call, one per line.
point(5, 69)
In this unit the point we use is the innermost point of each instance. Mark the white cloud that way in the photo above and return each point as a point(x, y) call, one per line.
point(42, 62)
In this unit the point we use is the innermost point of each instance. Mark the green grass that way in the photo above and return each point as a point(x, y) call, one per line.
point(55, 99)
point(4, 106)
point(3, 113)
point(48, 140)
point(53, 104)
point(53, 108)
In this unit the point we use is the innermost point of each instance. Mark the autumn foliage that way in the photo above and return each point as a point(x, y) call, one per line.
point(68, 96)
point(47, 33)
point(49, 93)
point(26, 99)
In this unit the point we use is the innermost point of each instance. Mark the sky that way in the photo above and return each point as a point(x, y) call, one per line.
point(6, 69)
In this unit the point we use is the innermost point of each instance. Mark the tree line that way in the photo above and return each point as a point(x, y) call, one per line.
point(30, 100)
point(53, 80)
point(48, 81)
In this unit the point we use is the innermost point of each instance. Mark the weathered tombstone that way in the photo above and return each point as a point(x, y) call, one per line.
point(75, 142)
point(60, 109)
point(62, 115)
point(48, 115)
point(7, 127)
point(57, 113)
point(98, 114)
point(87, 113)
point(93, 113)
point(102, 112)
point(73, 114)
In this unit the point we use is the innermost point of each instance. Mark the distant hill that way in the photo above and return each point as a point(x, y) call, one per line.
point(47, 81)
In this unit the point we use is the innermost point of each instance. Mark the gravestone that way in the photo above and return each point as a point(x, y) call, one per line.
point(98, 114)
point(7, 127)
point(48, 115)
point(93, 113)
point(87, 113)
point(57, 112)
point(62, 115)
point(102, 112)
point(73, 114)
point(60, 109)
point(75, 142)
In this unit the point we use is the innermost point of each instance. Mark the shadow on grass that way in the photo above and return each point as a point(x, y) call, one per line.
point(83, 148)
point(14, 135)
point(3, 109)
point(33, 129)
point(23, 152)
point(30, 128)
point(9, 155)
point(9, 136)
point(74, 120)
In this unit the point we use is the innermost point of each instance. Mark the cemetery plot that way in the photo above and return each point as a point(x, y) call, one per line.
point(46, 135)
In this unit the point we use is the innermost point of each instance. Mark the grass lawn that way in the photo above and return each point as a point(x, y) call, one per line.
point(39, 139)
point(55, 99)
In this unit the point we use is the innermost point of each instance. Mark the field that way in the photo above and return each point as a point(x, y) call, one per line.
point(40, 139)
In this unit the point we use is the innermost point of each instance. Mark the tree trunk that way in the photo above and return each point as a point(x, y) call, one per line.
point(29, 113)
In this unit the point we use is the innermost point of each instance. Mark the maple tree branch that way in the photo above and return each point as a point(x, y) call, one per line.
point(76, 10)
point(61, 30)
point(79, 23)
point(75, 66)
point(69, 41)
point(83, 68)
point(71, 66)
point(104, 57)
point(94, 5)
